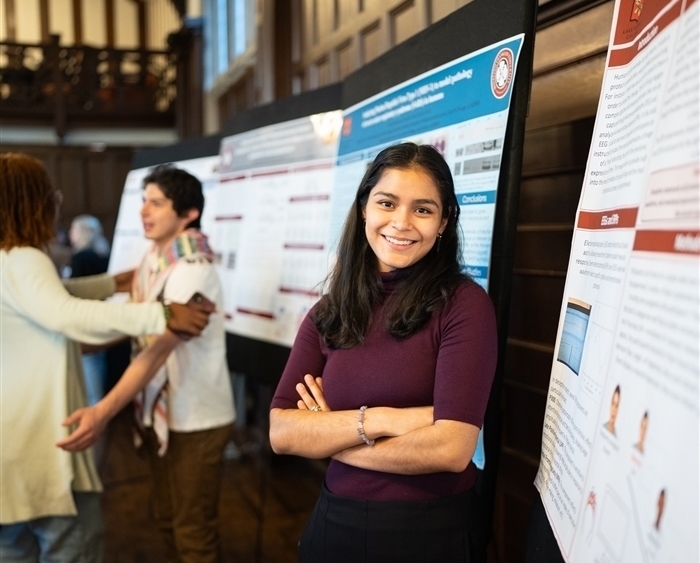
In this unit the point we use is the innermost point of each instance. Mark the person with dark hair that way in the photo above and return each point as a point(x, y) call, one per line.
point(181, 188)
point(185, 409)
point(49, 509)
point(390, 375)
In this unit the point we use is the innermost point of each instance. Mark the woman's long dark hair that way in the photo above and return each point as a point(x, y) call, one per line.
point(344, 314)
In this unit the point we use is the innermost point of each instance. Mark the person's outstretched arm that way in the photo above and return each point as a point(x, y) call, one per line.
point(92, 421)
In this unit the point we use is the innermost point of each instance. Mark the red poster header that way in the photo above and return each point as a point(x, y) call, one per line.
point(611, 219)
point(642, 37)
point(678, 242)
point(635, 16)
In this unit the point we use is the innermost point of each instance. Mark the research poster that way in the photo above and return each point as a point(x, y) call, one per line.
point(619, 473)
point(461, 108)
point(129, 244)
point(270, 226)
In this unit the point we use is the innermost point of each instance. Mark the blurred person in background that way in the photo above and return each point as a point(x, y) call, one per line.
point(90, 257)
point(90, 247)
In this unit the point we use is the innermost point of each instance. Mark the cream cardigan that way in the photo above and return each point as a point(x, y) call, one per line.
point(38, 379)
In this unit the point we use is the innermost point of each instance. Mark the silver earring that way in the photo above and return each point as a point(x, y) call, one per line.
point(439, 237)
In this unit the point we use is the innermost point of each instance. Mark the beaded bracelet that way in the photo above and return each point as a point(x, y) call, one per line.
point(167, 312)
point(361, 426)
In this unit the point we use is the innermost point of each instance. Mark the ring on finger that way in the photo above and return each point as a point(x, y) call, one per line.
point(315, 408)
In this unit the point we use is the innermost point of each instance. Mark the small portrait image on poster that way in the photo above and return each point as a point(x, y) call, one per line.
point(660, 504)
point(573, 336)
point(614, 409)
point(643, 426)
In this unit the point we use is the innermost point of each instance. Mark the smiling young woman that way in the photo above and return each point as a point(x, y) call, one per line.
point(390, 375)
point(403, 218)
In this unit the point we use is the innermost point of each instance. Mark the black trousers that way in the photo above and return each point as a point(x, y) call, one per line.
point(443, 530)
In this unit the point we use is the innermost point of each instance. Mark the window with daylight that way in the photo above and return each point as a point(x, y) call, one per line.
point(229, 31)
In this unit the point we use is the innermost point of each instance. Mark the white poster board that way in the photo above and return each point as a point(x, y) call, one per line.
point(271, 224)
point(619, 473)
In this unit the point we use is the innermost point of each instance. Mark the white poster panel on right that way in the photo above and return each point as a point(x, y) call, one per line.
point(619, 474)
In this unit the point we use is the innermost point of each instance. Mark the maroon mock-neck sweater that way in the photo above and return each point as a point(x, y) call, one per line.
point(449, 363)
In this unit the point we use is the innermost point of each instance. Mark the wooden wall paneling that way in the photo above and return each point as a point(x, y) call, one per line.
point(558, 148)
point(438, 9)
point(324, 75)
point(569, 94)
point(523, 429)
point(99, 183)
point(515, 495)
point(283, 49)
point(10, 30)
point(528, 363)
point(370, 43)
point(348, 10)
point(109, 22)
point(120, 165)
point(324, 19)
point(141, 23)
point(534, 312)
point(539, 250)
point(105, 176)
point(551, 199)
point(72, 181)
point(346, 55)
point(61, 21)
point(405, 21)
point(43, 20)
point(78, 22)
point(313, 22)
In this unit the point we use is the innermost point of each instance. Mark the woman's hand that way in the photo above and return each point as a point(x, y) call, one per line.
point(90, 425)
point(190, 319)
point(315, 400)
point(122, 281)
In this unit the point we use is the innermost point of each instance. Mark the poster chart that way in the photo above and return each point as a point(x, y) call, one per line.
point(270, 227)
point(129, 244)
point(619, 474)
point(461, 108)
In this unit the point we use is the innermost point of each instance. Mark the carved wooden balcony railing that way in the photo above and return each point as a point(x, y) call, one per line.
point(49, 84)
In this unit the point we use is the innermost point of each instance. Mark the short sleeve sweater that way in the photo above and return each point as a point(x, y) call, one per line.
point(449, 363)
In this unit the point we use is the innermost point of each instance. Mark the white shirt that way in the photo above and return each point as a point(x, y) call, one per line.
point(199, 386)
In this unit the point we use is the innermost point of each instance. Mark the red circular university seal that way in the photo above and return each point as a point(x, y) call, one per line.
point(502, 73)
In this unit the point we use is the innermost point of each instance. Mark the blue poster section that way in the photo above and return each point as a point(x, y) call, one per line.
point(457, 92)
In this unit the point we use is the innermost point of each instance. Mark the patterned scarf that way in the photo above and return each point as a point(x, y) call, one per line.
point(151, 404)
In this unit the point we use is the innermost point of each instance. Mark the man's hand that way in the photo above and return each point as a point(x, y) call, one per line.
point(90, 422)
point(190, 319)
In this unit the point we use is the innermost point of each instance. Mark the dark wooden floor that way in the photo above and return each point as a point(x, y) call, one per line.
point(265, 500)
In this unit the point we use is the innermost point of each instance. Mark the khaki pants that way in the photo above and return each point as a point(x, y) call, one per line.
point(186, 485)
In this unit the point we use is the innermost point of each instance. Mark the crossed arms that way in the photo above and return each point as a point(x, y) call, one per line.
point(408, 440)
